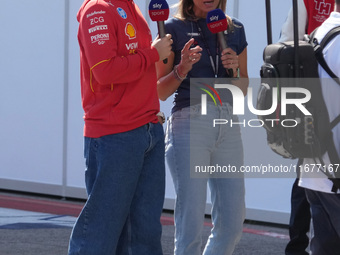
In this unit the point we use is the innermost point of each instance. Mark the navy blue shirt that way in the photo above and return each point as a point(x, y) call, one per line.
point(182, 32)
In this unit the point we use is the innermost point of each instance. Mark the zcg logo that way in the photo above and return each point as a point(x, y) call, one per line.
point(96, 20)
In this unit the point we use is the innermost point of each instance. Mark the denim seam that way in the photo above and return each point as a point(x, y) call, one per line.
point(178, 202)
point(86, 218)
point(219, 139)
point(85, 227)
point(217, 224)
point(150, 138)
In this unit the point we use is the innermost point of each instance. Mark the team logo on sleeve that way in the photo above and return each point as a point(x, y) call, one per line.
point(130, 31)
point(95, 13)
point(122, 13)
point(100, 38)
point(96, 20)
point(97, 28)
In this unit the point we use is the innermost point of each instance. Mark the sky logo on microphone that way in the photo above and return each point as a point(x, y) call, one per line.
point(157, 6)
point(216, 21)
point(159, 10)
point(213, 18)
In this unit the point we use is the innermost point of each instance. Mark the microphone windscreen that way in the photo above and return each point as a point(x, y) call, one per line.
point(159, 10)
point(217, 21)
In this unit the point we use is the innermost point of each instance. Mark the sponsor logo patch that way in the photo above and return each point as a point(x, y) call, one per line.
point(97, 28)
point(132, 47)
point(100, 38)
point(96, 20)
point(130, 31)
point(122, 13)
point(95, 13)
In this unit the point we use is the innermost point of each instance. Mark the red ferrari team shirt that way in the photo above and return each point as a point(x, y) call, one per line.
point(118, 74)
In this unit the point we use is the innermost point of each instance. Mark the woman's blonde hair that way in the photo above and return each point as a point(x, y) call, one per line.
point(185, 9)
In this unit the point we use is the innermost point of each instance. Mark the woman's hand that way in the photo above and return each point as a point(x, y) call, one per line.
point(169, 79)
point(230, 60)
point(189, 57)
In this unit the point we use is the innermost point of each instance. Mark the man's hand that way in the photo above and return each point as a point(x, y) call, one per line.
point(163, 46)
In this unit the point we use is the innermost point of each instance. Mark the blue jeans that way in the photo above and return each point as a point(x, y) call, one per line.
point(125, 182)
point(223, 146)
point(325, 211)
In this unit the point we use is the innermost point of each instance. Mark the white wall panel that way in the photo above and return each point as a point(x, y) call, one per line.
point(41, 138)
point(31, 98)
point(75, 159)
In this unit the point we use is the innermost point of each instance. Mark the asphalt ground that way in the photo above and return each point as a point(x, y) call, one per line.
point(34, 224)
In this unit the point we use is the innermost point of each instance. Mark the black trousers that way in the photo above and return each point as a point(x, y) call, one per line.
point(299, 223)
point(325, 208)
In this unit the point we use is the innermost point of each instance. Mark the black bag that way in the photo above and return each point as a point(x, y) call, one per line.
point(294, 64)
point(309, 138)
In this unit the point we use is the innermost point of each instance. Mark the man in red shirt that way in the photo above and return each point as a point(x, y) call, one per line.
point(124, 141)
point(311, 14)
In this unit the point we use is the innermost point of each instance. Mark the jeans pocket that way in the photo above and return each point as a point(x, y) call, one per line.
point(187, 112)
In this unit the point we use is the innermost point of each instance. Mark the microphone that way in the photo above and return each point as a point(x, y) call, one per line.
point(159, 11)
point(217, 24)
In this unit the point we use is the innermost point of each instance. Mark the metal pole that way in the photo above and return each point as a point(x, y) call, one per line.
point(269, 22)
point(296, 38)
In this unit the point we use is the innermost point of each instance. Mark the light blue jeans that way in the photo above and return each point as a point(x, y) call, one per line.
point(221, 145)
point(125, 182)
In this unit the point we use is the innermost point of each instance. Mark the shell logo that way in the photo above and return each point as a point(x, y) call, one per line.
point(130, 31)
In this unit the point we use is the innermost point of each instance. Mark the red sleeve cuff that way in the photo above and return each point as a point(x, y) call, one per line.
point(153, 54)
